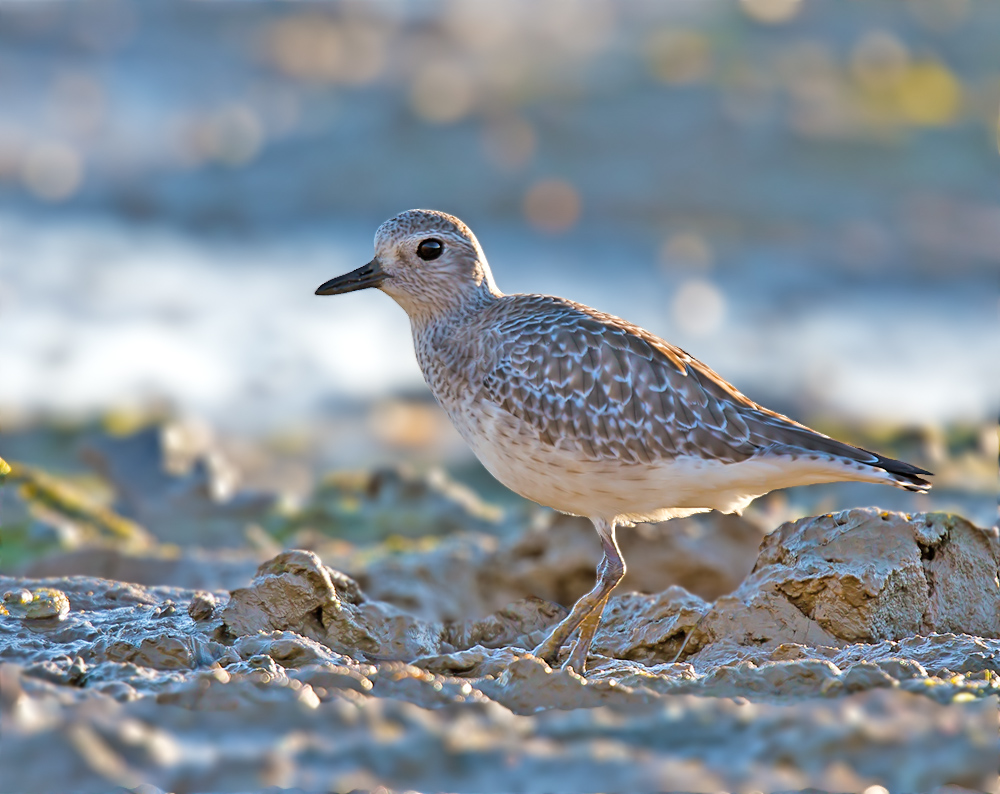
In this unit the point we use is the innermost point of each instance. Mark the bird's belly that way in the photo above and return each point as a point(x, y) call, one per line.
point(511, 451)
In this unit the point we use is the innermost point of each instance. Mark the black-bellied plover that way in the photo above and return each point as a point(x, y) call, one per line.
point(584, 412)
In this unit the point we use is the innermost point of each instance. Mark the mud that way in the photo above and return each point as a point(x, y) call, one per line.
point(837, 652)
point(862, 649)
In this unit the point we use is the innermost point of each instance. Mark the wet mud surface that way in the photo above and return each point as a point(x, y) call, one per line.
point(836, 652)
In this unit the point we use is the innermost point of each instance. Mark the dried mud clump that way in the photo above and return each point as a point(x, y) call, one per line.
point(851, 638)
point(469, 575)
point(839, 603)
point(862, 575)
point(413, 669)
point(296, 592)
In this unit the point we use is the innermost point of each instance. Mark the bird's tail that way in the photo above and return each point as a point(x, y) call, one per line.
point(903, 475)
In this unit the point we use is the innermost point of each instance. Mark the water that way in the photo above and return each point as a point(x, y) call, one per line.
point(807, 204)
point(99, 314)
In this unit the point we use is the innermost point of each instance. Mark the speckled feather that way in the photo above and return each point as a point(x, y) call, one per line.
point(585, 412)
point(586, 383)
point(599, 386)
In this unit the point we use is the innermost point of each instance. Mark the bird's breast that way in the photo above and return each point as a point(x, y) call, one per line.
point(448, 369)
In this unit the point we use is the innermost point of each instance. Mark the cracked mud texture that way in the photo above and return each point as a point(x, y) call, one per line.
point(862, 649)
point(194, 637)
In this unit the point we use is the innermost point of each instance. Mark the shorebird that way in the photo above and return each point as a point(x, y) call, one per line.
point(585, 412)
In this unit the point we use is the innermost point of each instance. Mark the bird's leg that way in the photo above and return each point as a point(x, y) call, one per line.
point(585, 636)
point(586, 613)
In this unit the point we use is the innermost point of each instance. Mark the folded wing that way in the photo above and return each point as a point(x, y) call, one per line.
point(602, 388)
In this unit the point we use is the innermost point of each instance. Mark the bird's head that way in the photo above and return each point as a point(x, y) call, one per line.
point(429, 262)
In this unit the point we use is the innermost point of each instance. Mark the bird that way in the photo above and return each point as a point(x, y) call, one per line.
point(585, 412)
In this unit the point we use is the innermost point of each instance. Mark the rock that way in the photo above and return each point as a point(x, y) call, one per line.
point(530, 617)
point(289, 592)
point(934, 654)
point(528, 686)
point(296, 592)
point(707, 555)
point(334, 677)
point(961, 565)
point(126, 656)
point(862, 575)
point(648, 628)
point(474, 662)
point(838, 616)
point(866, 675)
point(800, 678)
point(416, 674)
point(333, 725)
point(202, 606)
point(469, 575)
point(902, 669)
point(376, 630)
point(288, 649)
point(40, 604)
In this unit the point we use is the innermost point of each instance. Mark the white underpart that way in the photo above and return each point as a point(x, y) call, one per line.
point(608, 489)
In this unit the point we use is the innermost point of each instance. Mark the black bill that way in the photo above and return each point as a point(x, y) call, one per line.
point(370, 275)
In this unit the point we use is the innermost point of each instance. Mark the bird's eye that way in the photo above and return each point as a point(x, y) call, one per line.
point(430, 249)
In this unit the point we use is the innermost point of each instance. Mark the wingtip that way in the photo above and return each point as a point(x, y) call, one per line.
point(913, 483)
point(905, 475)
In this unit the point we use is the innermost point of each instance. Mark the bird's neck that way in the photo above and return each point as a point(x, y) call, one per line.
point(453, 309)
point(448, 350)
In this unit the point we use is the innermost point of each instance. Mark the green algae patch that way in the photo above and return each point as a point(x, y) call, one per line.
point(47, 491)
point(43, 513)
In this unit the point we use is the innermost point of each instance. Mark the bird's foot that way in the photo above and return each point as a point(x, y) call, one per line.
point(583, 618)
point(548, 650)
point(577, 659)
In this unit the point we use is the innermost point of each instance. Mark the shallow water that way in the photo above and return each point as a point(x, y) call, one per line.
point(103, 314)
point(827, 249)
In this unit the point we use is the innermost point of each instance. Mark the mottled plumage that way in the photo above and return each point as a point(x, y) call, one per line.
point(585, 412)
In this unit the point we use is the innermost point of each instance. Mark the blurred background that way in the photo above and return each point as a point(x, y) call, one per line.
point(804, 195)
